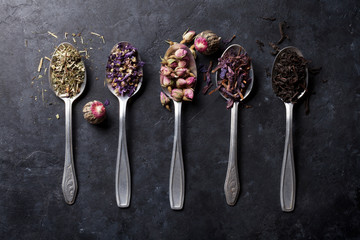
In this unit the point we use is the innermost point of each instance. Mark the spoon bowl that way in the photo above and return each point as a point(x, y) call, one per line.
point(236, 49)
point(287, 179)
point(277, 59)
point(116, 46)
point(192, 64)
point(232, 181)
point(122, 171)
point(177, 176)
point(69, 182)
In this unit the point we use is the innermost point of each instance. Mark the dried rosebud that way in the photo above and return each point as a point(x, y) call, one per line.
point(190, 81)
point(164, 99)
point(181, 83)
point(173, 75)
point(188, 94)
point(177, 94)
point(182, 64)
point(188, 36)
point(180, 71)
point(94, 112)
point(165, 81)
point(173, 65)
point(207, 42)
point(180, 53)
point(164, 70)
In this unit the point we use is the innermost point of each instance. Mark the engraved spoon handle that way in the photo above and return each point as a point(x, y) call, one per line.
point(177, 179)
point(232, 182)
point(122, 175)
point(69, 183)
point(287, 183)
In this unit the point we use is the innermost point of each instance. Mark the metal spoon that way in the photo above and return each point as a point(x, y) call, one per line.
point(232, 182)
point(177, 179)
point(69, 183)
point(122, 174)
point(287, 182)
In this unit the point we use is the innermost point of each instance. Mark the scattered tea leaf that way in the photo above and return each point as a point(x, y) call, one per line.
point(40, 64)
point(282, 25)
point(260, 45)
point(52, 34)
point(271, 19)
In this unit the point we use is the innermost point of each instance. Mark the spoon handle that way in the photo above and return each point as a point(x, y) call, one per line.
point(122, 178)
point(232, 182)
point(177, 179)
point(69, 183)
point(287, 183)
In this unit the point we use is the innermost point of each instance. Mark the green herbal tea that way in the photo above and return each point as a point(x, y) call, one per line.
point(67, 71)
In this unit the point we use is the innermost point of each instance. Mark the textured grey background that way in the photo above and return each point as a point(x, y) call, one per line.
point(326, 142)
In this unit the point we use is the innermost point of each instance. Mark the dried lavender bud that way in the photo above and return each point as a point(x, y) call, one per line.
point(123, 69)
point(67, 71)
point(289, 76)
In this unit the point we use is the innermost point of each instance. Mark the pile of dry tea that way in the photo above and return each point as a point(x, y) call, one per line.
point(67, 71)
point(234, 76)
point(124, 69)
point(176, 75)
point(289, 76)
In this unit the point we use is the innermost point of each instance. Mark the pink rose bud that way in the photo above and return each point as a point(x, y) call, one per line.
point(181, 83)
point(201, 44)
point(180, 53)
point(173, 75)
point(188, 94)
point(190, 81)
point(177, 94)
point(180, 71)
point(173, 65)
point(164, 70)
point(165, 81)
point(188, 36)
point(164, 99)
point(182, 64)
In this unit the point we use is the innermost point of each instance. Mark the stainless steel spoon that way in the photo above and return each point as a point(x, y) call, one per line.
point(69, 183)
point(287, 180)
point(122, 174)
point(177, 179)
point(232, 181)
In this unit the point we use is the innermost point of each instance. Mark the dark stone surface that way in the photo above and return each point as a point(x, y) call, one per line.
point(326, 142)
